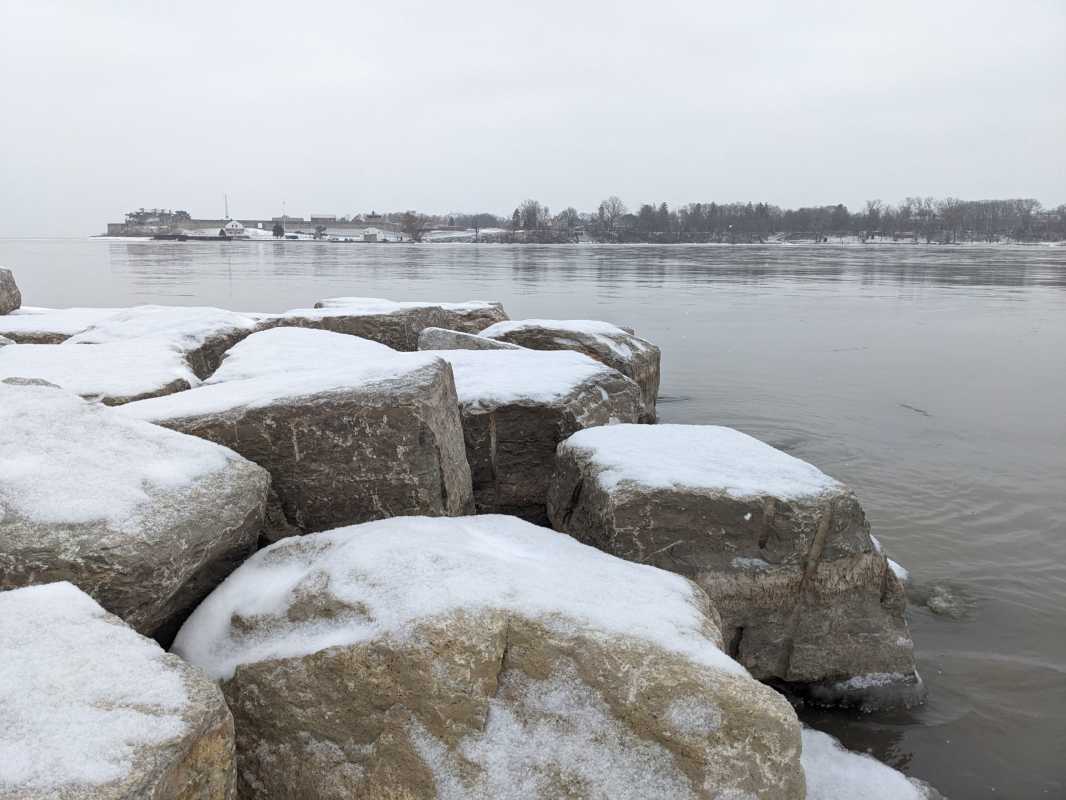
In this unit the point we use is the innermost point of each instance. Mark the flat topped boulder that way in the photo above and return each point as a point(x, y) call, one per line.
point(113, 373)
point(444, 339)
point(145, 520)
point(396, 324)
point(482, 657)
point(93, 710)
point(10, 296)
point(345, 438)
point(806, 595)
point(202, 334)
point(517, 405)
point(280, 351)
point(616, 347)
point(33, 325)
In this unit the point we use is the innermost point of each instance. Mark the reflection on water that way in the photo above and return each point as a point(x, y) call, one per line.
point(932, 379)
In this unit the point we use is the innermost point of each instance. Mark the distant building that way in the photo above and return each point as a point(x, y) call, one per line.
point(323, 219)
point(232, 229)
point(284, 218)
point(371, 235)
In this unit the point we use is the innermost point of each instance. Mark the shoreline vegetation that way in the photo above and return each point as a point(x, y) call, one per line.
point(914, 220)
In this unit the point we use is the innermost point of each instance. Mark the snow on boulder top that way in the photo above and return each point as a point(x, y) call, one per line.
point(58, 323)
point(396, 371)
point(355, 306)
point(284, 350)
point(697, 457)
point(185, 326)
point(485, 379)
point(398, 572)
point(66, 461)
point(834, 773)
point(112, 372)
point(607, 335)
point(81, 693)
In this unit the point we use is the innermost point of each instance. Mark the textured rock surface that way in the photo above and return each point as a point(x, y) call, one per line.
point(145, 520)
point(4, 340)
point(396, 324)
point(482, 658)
point(444, 339)
point(10, 296)
point(112, 373)
point(343, 445)
point(517, 405)
point(201, 334)
point(614, 346)
point(94, 711)
point(33, 325)
point(806, 596)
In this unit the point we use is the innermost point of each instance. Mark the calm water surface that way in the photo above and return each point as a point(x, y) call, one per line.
point(932, 380)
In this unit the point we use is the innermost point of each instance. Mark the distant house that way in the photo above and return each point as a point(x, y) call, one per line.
point(232, 230)
point(371, 235)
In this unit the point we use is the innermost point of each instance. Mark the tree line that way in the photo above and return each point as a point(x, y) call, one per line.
point(917, 219)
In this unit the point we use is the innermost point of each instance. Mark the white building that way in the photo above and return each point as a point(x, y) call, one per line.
point(232, 229)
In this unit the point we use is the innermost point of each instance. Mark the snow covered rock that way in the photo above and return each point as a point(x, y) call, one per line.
point(4, 340)
point(112, 373)
point(372, 438)
point(202, 334)
point(482, 658)
point(396, 324)
point(10, 296)
point(614, 346)
point(833, 773)
point(94, 711)
point(807, 597)
point(145, 520)
point(32, 325)
point(517, 405)
point(444, 339)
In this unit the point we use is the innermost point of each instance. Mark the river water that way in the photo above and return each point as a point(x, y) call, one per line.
point(930, 379)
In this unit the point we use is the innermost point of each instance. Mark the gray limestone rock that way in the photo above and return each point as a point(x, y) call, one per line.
point(465, 659)
point(396, 324)
point(379, 438)
point(616, 347)
point(517, 405)
point(806, 595)
point(444, 339)
point(10, 296)
point(147, 521)
point(94, 711)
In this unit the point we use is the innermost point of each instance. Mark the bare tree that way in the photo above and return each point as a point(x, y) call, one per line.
point(611, 210)
point(414, 225)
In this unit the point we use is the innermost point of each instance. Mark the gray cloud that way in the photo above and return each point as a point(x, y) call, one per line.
point(344, 107)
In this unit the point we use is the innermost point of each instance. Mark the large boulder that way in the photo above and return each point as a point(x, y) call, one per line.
point(374, 437)
point(94, 711)
point(444, 339)
point(396, 324)
point(10, 296)
point(517, 405)
point(4, 340)
point(32, 325)
point(616, 347)
point(482, 658)
point(113, 373)
point(145, 520)
point(201, 334)
point(806, 595)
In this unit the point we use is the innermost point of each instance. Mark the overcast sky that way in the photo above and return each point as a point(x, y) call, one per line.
point(346, 107)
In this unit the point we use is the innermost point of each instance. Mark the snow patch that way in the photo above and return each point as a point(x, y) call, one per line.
point(186, 327)
point(81, 693)
point(36, 321)
point(403, 570)
point(358, 306)
point(697, 457)
point(834, 773)
point(607, 335)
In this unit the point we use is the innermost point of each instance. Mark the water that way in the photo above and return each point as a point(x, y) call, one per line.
point(931, 379)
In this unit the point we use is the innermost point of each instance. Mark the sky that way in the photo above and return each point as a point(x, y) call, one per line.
point(343, 108)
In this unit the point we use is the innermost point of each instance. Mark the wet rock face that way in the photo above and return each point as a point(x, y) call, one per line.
point(616, 347)
point(10, 296)
point(144, 520)
point(339, 451)
point(479, 702)
point(807, 598)
point(101, 713)
point(396, 324)
point(442, 339)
